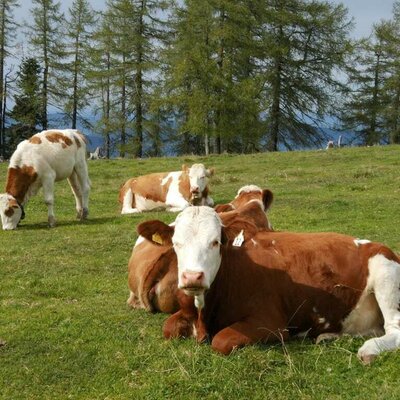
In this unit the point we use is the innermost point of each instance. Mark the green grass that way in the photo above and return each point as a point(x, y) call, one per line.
point(70, 335)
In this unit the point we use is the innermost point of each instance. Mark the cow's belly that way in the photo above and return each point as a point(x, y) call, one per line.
point(143, 204)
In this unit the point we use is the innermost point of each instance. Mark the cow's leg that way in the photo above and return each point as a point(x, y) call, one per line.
point(384, 281)
point(77, 191)
point(84, 182)
point(128, 202)
point(247, 332)
point(48, 194)
point(179, 325)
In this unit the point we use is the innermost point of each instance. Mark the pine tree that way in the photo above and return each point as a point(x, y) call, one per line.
point(46, 35)
point(79, 29)
point(27, 109)
point(7, 27)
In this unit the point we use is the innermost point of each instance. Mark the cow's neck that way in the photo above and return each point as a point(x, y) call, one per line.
point(20, 181)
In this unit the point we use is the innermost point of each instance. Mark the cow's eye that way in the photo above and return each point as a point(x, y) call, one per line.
point(215, 243)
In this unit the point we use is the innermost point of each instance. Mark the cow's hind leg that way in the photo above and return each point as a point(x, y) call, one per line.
point(48, 193)
point(81, 171)
point(77, 191)
point(384, 281)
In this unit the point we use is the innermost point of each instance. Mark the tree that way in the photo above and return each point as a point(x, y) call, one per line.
point(79, 30)
point(305, 43)
point(46, 35)
point(7, 27)
point(27, 109)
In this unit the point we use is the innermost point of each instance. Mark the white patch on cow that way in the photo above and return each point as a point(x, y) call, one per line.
point(194, 330)
point(139, 240)
point(254, 242)
point(174, 200)
point(321, 320)
point(381, 293)
point(327, 325)
point(248, 189)
point(127, 203)
point(198, 177)
point(315, 309)
point(196, 241)
point(359, 242)
point(143, 204)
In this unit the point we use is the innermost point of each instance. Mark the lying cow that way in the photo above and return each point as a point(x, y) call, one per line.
point(46, 157)
point(172, 191)
point(257, 286)
point(153, 274)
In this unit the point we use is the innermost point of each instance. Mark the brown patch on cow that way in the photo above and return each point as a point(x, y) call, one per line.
point(9, 212)
point(77, 141)
point(19, 179)
point(184, 185)
point(35, 140)
point(57, 137)
point(82, 136)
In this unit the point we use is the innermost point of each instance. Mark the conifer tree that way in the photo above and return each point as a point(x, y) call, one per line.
point(46, 39)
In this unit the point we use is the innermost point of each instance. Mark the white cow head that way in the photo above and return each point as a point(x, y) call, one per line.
point(10, 212)
point(198, 178)
point(197, 238)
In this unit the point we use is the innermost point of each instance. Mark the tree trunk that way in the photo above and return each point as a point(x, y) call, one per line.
point(372, 134)
point(2, 57)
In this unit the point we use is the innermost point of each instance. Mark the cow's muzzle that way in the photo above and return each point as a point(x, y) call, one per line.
point(192, 282)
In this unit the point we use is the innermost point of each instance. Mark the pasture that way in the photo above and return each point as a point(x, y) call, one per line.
point(63, 317)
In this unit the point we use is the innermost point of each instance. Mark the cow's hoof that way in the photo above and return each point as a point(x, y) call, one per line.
point(367, 359)
point(85, 213)
point(51, 222)
point(325, 337)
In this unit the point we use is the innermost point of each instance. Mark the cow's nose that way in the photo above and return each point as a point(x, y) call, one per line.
point(192, 279)
point(194, 189)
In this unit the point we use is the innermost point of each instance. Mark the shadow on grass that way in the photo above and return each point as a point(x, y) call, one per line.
point(90, 221)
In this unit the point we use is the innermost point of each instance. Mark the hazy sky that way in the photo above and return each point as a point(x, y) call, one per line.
point(365, 12)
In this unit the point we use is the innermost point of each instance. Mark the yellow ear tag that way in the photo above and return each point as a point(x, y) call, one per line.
point(157, 238)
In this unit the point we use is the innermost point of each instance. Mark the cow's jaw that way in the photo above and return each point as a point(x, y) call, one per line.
point(197, 246)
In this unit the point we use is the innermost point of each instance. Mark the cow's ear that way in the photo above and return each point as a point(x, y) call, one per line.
point(157, 232)
point(185, 168)
point(267, 198)
point(223, 208)
point(236, 229)
point(210, 172)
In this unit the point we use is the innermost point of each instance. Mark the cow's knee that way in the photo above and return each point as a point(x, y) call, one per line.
point(223, 344)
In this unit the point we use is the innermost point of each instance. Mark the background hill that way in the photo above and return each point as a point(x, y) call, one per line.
point(70, 334)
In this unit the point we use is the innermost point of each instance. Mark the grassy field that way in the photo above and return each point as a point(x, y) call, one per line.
point(70, 335)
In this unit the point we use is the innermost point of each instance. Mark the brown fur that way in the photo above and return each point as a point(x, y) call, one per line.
point(35, 140)
point(294, 281)
point(57, 137)
point(265, 196)
point(19, 179)
point(77, 142)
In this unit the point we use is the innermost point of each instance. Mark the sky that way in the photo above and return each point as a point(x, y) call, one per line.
point(364, 12)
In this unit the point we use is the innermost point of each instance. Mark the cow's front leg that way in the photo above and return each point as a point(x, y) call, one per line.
point(246, 332)
point(179, 325)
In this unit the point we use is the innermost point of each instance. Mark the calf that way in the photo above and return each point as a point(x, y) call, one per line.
point(259, 286)
point(45, 158)
point(172, 191)
point(152, 267)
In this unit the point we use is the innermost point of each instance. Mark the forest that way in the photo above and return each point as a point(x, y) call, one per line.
point(161, 77)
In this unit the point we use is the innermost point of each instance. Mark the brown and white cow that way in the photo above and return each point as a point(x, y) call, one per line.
point(172, 191)
point(259, 286)
point(45, 158)
point(152, 268)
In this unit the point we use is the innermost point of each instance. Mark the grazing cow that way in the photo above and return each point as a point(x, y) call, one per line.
point(46, 157)
point(257, 286)
point(172, 191)
point(153, 274)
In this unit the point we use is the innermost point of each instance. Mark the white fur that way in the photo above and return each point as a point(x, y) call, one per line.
point(248, 189)
point(383, 285)
point(197, 243)
point(359, 242)
point(52, 162)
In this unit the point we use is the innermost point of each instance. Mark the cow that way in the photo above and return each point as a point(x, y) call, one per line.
point(253, 286)
point(152, 270)
point(172, 191)
point(45, 158)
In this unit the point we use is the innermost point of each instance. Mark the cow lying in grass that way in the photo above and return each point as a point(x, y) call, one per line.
point(172, 191)
point(270, 286)
point(153, 276)
point(45, 158)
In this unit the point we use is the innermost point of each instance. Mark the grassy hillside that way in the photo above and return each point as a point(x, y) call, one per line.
point(69, 333)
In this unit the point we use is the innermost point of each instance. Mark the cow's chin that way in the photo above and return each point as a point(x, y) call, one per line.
point(194, 291)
